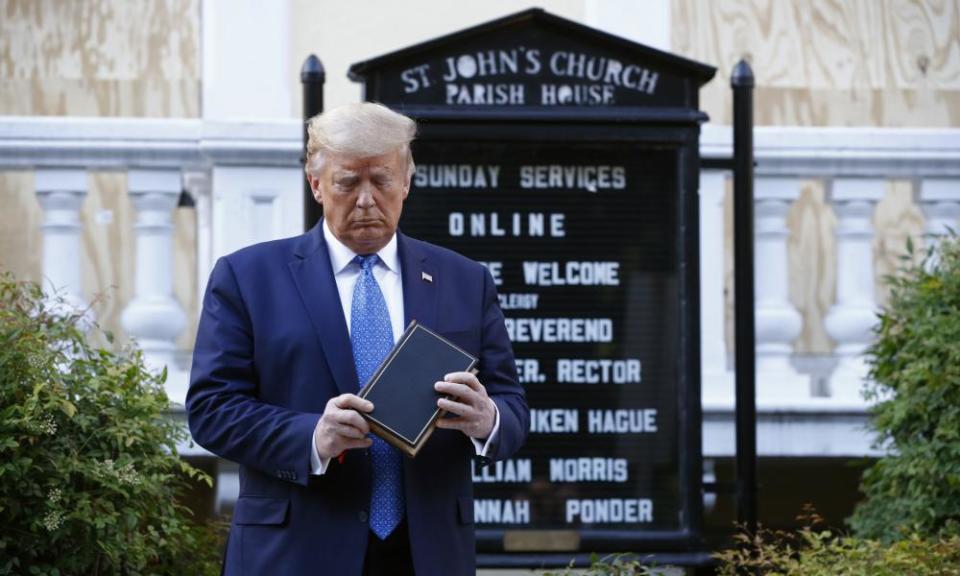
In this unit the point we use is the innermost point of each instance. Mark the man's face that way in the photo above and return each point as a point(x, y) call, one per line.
point(362, 198)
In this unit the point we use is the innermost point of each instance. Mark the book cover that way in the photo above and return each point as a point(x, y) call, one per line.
point(405, 404)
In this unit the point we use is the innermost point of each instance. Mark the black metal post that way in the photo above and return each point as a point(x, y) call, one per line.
point(312, 76)
point(745, 330)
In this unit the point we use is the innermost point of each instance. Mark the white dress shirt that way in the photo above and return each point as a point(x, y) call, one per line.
point(387, 273)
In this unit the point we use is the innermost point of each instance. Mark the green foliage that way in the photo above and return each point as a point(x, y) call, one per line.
point(915, 380)
point(89, 474)
point(810, 552)
point(612, 565)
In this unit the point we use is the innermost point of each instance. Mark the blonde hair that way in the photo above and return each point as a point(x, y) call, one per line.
point(360, 131)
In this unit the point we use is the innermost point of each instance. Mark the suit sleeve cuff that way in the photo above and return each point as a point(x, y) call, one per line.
point(482, 447)
point(318, 465)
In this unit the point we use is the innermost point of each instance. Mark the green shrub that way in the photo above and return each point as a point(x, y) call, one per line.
point(915, 380)
point(89, 474)
point(809, 552)
point(621, 564)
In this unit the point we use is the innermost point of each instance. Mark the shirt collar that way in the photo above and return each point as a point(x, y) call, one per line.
point(341, 256)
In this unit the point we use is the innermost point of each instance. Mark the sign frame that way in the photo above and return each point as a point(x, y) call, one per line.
point(673, 127)
point(669, 132)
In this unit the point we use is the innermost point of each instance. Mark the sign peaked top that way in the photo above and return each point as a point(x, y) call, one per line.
point(535, 61)
point(532, 18)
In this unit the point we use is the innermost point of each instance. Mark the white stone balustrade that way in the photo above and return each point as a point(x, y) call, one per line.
point(255, 204)
point(161, 156)
point(860, 161)
point(154, 316)
point(247, 183)
point(778, 323)
point(60, 193)
point(850, 321)
point(939, 198)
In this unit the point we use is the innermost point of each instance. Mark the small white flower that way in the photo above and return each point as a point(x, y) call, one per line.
point(45, 424)
point(55, 496)
point(35, 361)
point(48, 425)
point(104, 469)
point(53, 520)
point(127, 475)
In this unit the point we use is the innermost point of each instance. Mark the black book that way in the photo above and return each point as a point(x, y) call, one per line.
point(405, 404)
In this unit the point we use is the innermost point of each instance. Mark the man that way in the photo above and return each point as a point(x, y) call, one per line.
point(289, 332)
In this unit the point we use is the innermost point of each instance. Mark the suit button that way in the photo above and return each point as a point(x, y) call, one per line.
point(362, 516)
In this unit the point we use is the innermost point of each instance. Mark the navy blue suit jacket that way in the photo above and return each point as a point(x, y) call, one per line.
point(272, 348)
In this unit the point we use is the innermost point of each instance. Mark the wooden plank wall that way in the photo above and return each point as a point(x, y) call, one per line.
point(887, 63)
point(884, 63)
point(136, 58)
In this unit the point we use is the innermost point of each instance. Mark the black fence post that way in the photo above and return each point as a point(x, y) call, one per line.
point(745, 328)
point(312, 76)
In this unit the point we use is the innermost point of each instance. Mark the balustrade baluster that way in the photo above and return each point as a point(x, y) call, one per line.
point(939, 199)
point(778, 322)
point(850, 321)
point(61, 193)
point(154, 316)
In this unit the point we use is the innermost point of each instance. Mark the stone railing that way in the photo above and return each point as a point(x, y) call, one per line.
point(810, 402)
point(246, 182)
point(244, 178)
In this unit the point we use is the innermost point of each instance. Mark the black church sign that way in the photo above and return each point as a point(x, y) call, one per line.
point(566, 160)
point(531, 59)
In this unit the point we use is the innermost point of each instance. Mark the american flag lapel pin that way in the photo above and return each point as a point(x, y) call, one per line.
point(426, 277)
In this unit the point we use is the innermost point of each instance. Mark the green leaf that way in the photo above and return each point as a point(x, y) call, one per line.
point(68, 408)
point(915, 367)
point(91, 482)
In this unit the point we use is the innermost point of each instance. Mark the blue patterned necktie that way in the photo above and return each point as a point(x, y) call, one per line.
point(371, 335)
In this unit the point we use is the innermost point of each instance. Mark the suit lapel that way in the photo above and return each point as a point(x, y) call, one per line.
point(313, 276)
point(420, 283)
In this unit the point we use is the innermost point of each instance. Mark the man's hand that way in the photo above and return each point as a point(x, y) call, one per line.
point(469, 401)
point(341, 427)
